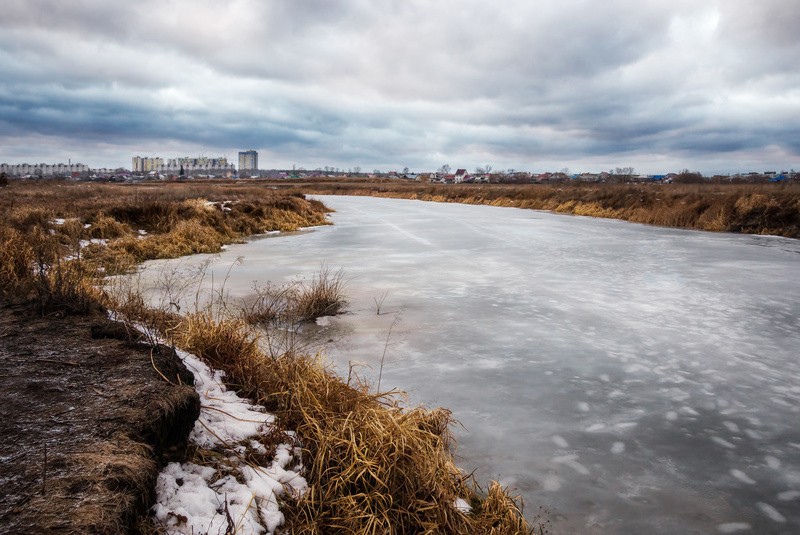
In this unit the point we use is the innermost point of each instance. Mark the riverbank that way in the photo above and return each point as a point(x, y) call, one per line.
point(86, 421)
point(772, 209)
point(57, 241)
point(597, 350)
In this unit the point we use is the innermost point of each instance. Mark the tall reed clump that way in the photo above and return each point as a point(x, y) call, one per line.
point(323, 296)
point(372, 466)
point(298, 302)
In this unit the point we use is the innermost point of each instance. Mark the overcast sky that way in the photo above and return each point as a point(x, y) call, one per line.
point(659, 85)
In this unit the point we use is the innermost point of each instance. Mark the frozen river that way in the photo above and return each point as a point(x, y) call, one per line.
point(628, 379)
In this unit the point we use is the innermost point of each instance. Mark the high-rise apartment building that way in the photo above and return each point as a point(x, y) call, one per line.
point(145, 165)
point(248, 161)
point(202, 164)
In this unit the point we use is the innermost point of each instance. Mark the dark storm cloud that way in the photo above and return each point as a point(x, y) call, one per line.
point(415, 83)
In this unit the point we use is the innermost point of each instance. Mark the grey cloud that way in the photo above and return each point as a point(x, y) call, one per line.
point(408, 81)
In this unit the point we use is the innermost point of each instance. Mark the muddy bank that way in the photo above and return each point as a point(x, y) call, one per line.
point(87, 421)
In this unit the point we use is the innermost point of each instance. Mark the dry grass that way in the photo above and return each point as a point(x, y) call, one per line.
point(372, 466)
point(297, 302)
point(115, 479)
point(33, 269)
point(752, 208)
point(323, 296)
point(51, 265)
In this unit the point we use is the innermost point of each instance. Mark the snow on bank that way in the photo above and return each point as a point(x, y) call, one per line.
point(233, 495)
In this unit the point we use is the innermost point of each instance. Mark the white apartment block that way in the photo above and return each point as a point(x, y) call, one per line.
point(43, 169)
point(145, 165)
point(173, 165)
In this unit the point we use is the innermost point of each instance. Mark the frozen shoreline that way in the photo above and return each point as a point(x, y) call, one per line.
point(638, 372)
point(230, 491)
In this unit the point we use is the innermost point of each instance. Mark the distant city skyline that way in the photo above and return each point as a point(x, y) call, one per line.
point(707, 86)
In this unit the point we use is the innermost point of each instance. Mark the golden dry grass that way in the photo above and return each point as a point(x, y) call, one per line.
point(297, 302)
point(49, 262)
point(372, 465)
point(751, 208)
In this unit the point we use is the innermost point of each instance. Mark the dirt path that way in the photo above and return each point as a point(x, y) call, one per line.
point(86, 421)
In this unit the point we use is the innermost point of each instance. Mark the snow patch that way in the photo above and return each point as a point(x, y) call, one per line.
point(234, 494)
point(732, 427)
point(789, 495)
point(572, 462)
point(724, 443)
point(741, 476)
point(324, 321)
point(771, 512)
point(551, 483)
point(594, 428)
point(462, 505)
point(733, 527)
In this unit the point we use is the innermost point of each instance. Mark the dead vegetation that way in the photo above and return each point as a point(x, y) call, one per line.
point(753, 209)
point(299, 302)
point(372, 465)
point(57, 239)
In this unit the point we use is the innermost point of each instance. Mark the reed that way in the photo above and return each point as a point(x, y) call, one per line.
point(372, 465)
point(751, 208)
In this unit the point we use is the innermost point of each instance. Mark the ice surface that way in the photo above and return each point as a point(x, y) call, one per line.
point(531, 326)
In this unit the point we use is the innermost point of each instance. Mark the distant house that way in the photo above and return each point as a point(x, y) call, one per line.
point(460, 176)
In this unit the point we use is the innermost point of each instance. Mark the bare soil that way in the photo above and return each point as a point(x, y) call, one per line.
point(86, 422)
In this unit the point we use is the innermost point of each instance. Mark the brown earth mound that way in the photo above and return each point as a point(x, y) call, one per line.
point(86, 421)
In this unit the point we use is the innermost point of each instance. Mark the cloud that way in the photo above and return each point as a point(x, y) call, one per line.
point(353, 82)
